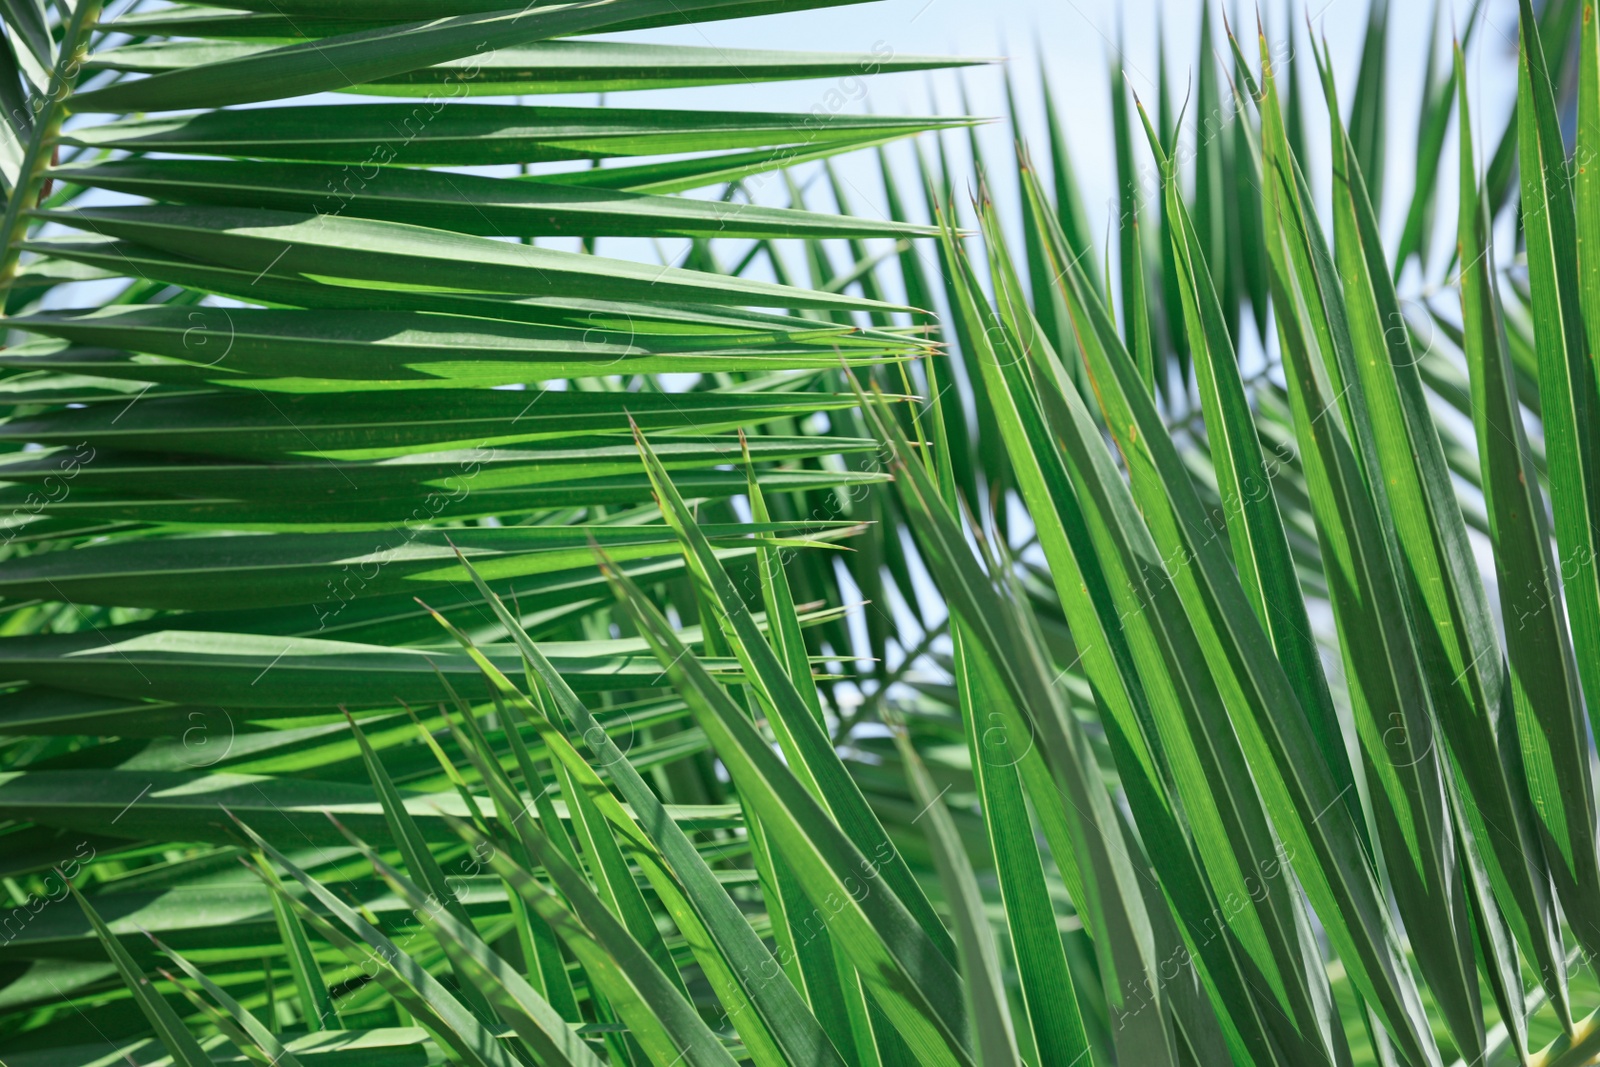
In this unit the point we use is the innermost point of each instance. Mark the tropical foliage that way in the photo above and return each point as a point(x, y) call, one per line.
point(428, 640)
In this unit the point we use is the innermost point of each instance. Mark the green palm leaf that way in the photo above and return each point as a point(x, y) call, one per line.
point(764, 651)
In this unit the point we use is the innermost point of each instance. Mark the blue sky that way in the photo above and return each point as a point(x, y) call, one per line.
point(1074, 39)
